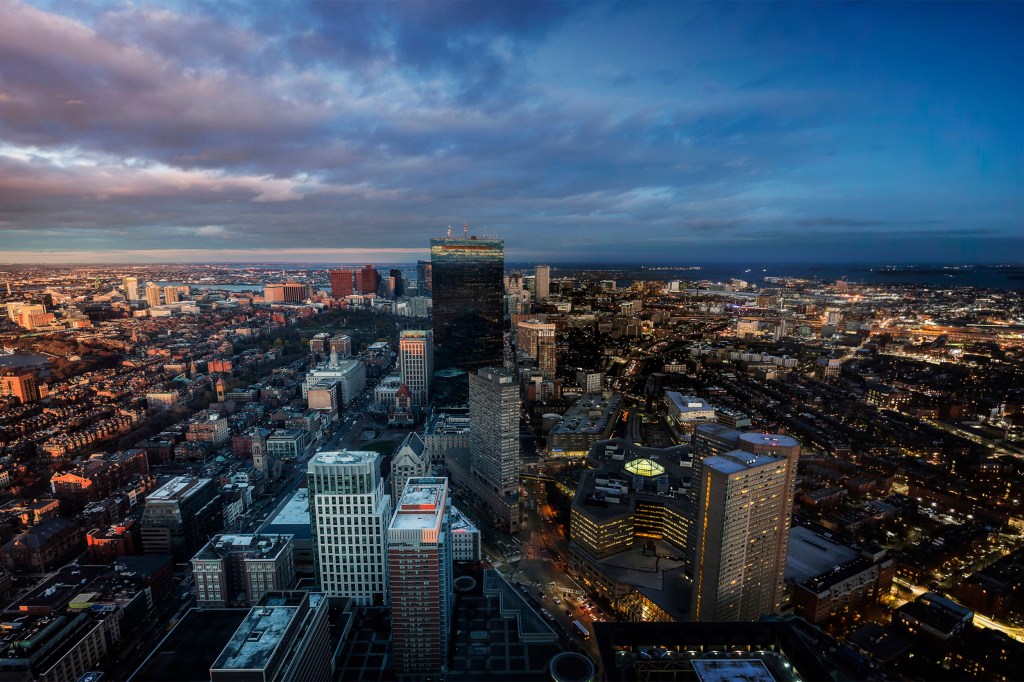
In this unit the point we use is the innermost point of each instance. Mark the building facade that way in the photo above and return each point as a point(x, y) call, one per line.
point(494, 441)
point(420, 566)
point(349, 512)
point(468, 296)
point(742, 537)
point(416, 363)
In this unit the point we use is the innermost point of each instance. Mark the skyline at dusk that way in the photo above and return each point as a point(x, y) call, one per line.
point(663, 132)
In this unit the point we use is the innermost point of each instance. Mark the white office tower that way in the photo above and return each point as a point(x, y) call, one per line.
point(494, 441)
point(420, 564)
point(131, 289)
point(416, 363)
point(542, 282)
point(349, 512)
point(742, 533)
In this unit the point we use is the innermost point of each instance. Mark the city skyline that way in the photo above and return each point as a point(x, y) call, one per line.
point(575, 132)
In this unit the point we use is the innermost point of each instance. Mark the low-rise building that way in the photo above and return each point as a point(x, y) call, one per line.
point(237, 570)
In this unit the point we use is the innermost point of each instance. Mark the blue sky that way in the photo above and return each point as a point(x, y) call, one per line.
point(657, 132)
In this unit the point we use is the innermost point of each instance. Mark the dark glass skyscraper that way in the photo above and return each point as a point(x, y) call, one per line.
point(468, 292)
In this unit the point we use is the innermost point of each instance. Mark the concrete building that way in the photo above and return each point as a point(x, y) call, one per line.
point(153, 292)
point(494, 442)
point(711, 439)
point(590, 419)
point(416, 363)
point(24, 387)
point(465, 537)
point(209, 427)
point(284, 638)
point(323, 397)
point(444, 431)
point(742, 536)
point(829, 577)
point(685, 412)
point(420, 567)
point(349, 374)
point(131, 289)
point(290, 292)
point(180, 516)
point(542, 282)
point(590, 382)
point(237, 570)
point(409, 461)
point(349, 512)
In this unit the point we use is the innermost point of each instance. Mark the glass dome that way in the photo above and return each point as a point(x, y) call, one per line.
point(644, 467)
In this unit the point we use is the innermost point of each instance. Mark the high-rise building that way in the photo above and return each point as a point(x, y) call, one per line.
point(494, 441)
point(424, 277)
point(290, 292)
point(420, 565)
point(349, 512)
point(171, 295)
point(712, 439)
point(131, 289)
point(367, 280)
point(541, 284)
point(398, 284)
point(468, 297)
point(24, 387)
point(152, 295)
point(341, 283)
point(742, 536)
point(416, 363)
point(537, 339)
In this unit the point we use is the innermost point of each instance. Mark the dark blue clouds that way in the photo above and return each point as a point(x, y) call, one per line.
point(597, 131)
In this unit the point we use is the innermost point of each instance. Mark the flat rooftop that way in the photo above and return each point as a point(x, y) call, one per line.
point(419, 506)
point(255, 640)
point(292, 518)
point(811, 554)
point(344, 457)
point(737, 461)
point(178, 487)
point(732, 670)
point(189, 650)
point(578, 419)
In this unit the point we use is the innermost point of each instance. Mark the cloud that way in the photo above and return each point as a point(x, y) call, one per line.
point(376, 124)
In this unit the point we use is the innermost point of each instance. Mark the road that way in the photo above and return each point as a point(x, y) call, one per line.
point(979, 620)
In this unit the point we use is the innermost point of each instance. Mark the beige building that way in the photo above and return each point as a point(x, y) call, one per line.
point(742, 536)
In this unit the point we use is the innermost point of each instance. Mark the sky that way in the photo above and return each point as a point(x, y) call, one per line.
point(676, 132)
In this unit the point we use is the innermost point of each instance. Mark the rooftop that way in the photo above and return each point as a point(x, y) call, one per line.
point(178, 488)
point(344, 457)
point(811, 554)
point(255, 640)
point(737, 461)
point(731, 670)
